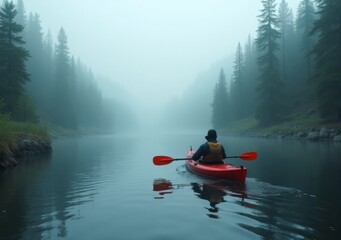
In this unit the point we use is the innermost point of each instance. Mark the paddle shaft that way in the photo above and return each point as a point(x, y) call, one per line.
point(164, 160)
point(180, 159)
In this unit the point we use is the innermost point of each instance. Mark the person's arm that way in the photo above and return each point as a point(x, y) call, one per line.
point(199, 153)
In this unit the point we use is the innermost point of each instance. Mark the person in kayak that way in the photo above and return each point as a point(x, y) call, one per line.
point(211, 152)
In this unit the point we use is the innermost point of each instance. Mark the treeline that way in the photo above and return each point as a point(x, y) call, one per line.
point(43, 81)
point(193, 109)
point(294, 63)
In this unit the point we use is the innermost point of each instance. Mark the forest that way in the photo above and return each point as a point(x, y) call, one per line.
point(289, 72)
point(292, 66)
point(290, 69)
point(42, 82)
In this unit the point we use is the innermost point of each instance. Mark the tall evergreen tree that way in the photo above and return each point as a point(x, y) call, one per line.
point(220, 102)
point(238, 85)
point(251, 72)
point(64, 102)
point(48, 45)
point(89, 97)
point(292, 67)
point(305, 21)
point(271, 96)
point(284, 18)
point(34, 43)
point(48, 69)
point(327, 54)
point(13, 57)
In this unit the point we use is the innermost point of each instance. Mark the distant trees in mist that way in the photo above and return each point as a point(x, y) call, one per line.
point(292, 65)
point(219, 116)
point(39, 80)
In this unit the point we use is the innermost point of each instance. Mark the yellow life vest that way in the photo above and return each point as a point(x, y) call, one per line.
point(215, 154)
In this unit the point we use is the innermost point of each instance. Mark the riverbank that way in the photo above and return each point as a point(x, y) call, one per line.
point(20, 140)
point(303, 127)
point(55, 131)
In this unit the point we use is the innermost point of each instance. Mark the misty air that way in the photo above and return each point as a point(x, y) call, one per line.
point(169, 119)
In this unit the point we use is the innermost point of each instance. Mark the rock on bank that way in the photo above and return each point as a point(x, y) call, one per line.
point(25, 147)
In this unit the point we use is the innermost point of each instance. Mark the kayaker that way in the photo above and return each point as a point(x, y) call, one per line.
point(211, 152)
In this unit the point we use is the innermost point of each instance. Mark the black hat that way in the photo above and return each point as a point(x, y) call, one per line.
point(211, 135)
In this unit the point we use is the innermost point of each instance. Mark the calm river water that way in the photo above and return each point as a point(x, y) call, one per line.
point(106, 187)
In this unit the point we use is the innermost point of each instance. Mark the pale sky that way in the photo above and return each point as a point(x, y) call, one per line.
point(154, 48)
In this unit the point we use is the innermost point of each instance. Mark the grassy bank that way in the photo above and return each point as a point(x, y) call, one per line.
point(298, 123)
point(11, 131)
point(19, 140)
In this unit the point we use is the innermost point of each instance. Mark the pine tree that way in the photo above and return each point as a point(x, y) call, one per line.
point(305, 20)
point(291, 76)
point(13, 58)
point(34, 43)
point(220, 102)
point(327, 52)
point(89, 99)
point(250, 72)
point(47, 73)
point(284, 18)
point(64, 102)
point(238, 85)
point(48, 45)
point(270, 106)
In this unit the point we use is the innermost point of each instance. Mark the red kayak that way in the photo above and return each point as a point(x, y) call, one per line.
point(223, 171)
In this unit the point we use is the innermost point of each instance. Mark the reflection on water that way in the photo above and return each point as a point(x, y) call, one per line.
point(13, 201)
point(43, 192)
point(162, 186)
point(212, 191)
point(100, 188)
point(212, 194)
point(270, 211)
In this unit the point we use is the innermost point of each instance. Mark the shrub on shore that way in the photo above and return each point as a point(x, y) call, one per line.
point(11, 131)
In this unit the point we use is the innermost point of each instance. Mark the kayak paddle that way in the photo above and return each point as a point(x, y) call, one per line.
point(164, 160)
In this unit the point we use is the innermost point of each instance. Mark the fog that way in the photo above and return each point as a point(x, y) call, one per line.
point(154, 49)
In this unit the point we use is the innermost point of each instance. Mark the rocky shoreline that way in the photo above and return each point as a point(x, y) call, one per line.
point(313, 134)
point(25, 147)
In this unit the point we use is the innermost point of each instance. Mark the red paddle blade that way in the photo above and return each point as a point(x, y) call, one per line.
point(162, 160)
point(249, 156)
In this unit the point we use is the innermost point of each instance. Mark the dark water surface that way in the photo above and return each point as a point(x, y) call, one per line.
point(106, 187)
